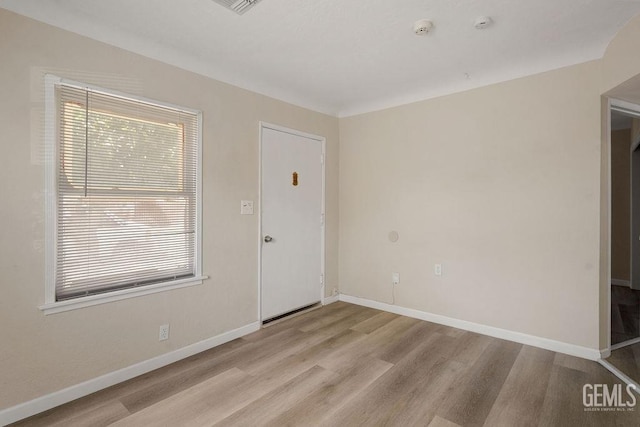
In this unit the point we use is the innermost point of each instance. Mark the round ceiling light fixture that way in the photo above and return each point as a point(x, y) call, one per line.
point(422, 27)
point(483, 22)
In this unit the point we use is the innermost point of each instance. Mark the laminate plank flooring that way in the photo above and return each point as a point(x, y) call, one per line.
point(346, 365)
point(627, 359)
point(525, 387)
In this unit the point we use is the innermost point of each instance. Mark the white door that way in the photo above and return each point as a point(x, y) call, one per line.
point(291, 220)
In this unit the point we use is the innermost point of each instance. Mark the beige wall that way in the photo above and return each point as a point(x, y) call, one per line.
point(620, 204)
point(41, 354)
point(500, 185)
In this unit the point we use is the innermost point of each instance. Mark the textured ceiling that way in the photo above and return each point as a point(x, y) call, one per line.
point(344, 57)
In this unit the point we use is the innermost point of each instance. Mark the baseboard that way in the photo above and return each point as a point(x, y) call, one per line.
point(545, 343)
point(620, 282)
point(66, 395)
point(331, 299)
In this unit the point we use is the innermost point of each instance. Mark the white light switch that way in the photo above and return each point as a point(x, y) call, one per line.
point(246, 207)
point(438, 270)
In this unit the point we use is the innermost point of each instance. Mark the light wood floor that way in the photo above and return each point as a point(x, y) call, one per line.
point(345, 365)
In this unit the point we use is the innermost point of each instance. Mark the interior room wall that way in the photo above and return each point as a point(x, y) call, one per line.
point(42, 354)
point(635, 130)
point(500, 185)
point(620, 204)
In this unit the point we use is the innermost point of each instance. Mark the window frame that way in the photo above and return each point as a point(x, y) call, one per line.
point(52, 147)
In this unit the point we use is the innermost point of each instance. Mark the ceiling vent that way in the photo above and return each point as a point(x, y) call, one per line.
point(238, 6)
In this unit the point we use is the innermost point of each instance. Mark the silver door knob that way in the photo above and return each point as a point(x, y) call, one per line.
point(268, 238)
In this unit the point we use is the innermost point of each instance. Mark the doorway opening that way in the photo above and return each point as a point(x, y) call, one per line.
point(625, 224)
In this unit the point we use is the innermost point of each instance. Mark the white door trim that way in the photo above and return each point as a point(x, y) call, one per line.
point(323, 141)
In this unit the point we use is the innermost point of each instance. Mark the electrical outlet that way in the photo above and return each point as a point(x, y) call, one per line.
point(395, 278)
point(334, 292)
point(164, 332)
point(437, 270)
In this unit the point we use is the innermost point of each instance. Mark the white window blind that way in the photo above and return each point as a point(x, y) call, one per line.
point(126, 193)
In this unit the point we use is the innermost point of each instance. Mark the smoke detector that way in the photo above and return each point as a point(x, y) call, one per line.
point(483, 22)
point(422, 27)
point(238, 6)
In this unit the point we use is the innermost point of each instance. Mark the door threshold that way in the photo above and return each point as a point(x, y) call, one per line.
point(290, 314)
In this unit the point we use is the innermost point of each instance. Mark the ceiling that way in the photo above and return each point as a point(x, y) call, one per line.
point(347, 57)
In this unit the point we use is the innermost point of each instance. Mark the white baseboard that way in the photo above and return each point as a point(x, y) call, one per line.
point(331, 299)
point(545, 343)
point(60, 397)
point(620, 282)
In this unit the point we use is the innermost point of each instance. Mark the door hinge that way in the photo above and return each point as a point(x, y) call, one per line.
point(322, 219)
point(322, 279)
point(322, 159)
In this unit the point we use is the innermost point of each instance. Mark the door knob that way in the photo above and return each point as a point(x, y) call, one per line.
point(268, 238)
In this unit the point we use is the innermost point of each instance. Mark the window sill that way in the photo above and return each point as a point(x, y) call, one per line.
point(74, 304)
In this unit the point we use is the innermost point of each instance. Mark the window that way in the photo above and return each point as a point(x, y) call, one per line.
point(124, 194)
